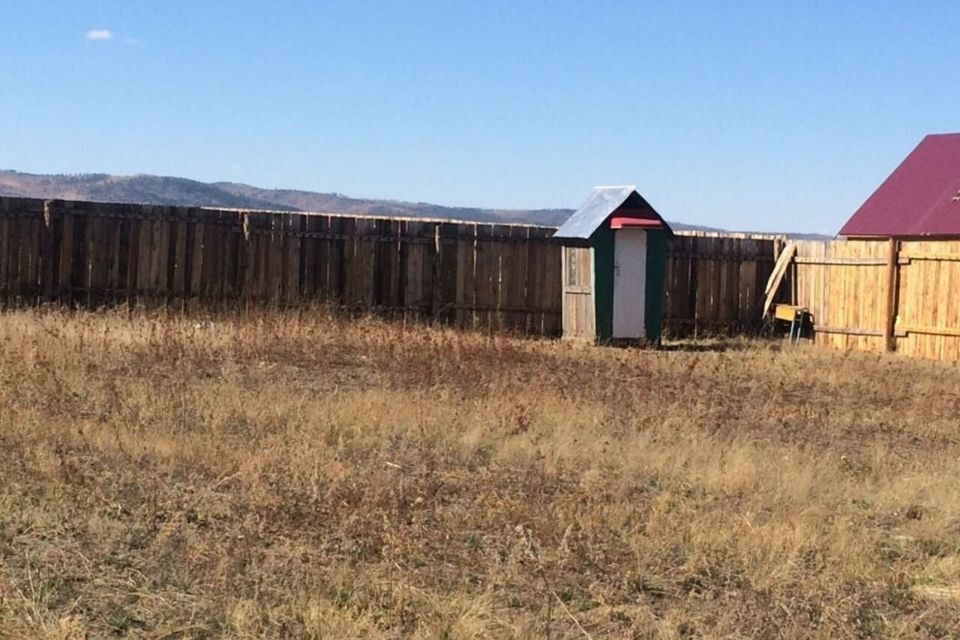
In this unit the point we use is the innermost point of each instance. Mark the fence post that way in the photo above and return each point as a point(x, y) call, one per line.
point(889, 334)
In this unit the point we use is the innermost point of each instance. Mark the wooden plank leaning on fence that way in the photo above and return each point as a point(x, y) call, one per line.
point(776, 277)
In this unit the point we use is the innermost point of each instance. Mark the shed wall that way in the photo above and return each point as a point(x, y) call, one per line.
point(657, 243)
point(578, 302)
point(603, 265)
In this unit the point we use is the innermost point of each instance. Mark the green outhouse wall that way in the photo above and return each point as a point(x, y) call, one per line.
point(657, 241)
point(603, 263)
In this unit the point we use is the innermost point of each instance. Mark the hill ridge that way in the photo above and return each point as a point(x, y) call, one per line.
point(145, 188)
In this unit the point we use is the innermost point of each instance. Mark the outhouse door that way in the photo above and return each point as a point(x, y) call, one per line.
point(629, 282)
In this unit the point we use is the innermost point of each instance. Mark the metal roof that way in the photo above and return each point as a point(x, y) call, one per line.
point(920, 198)
point(599, 206)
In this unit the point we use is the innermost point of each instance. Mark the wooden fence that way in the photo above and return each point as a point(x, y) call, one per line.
point(93, 254)
point(461, 273)
point(870, 295)
point(880, 295)
point(715, 282)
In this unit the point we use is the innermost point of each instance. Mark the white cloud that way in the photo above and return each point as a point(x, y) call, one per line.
point(99, 34)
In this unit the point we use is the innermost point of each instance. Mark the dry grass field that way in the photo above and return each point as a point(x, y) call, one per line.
point(299, 476)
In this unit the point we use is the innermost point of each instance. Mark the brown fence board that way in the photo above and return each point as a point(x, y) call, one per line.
point(412, 257)
point(746, 308)
point(12, 281)
point(144, 257)
point(4, 259)
point(515, 271)
point(291, 266)
point(99, 265)
point(446, 273)
point(308, 253)
point(552, 291)
point(115, 280)
point(275, 261)
point(428, 239)
point(158, 261)
point(48, 251)
point(30, 258)
point(178, 277)
point(466, 272)
point(11, 259)
point(487, 275)
point(79, 267)
point(27, 254)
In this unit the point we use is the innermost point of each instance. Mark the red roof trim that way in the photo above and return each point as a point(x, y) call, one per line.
point(620, 222)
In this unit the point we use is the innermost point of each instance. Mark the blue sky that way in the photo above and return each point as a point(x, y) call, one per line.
point(750, 115)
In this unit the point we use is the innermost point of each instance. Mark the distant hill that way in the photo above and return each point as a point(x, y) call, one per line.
point(164, 190)
point(149, 189)
point(142, 189)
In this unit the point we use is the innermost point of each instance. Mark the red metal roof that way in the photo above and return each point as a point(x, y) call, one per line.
point(920, 198)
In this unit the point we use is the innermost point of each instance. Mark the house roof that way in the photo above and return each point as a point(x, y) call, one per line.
point(601, 204)
point(920, 198)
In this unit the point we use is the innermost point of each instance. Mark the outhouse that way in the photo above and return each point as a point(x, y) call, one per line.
point(614, 267)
